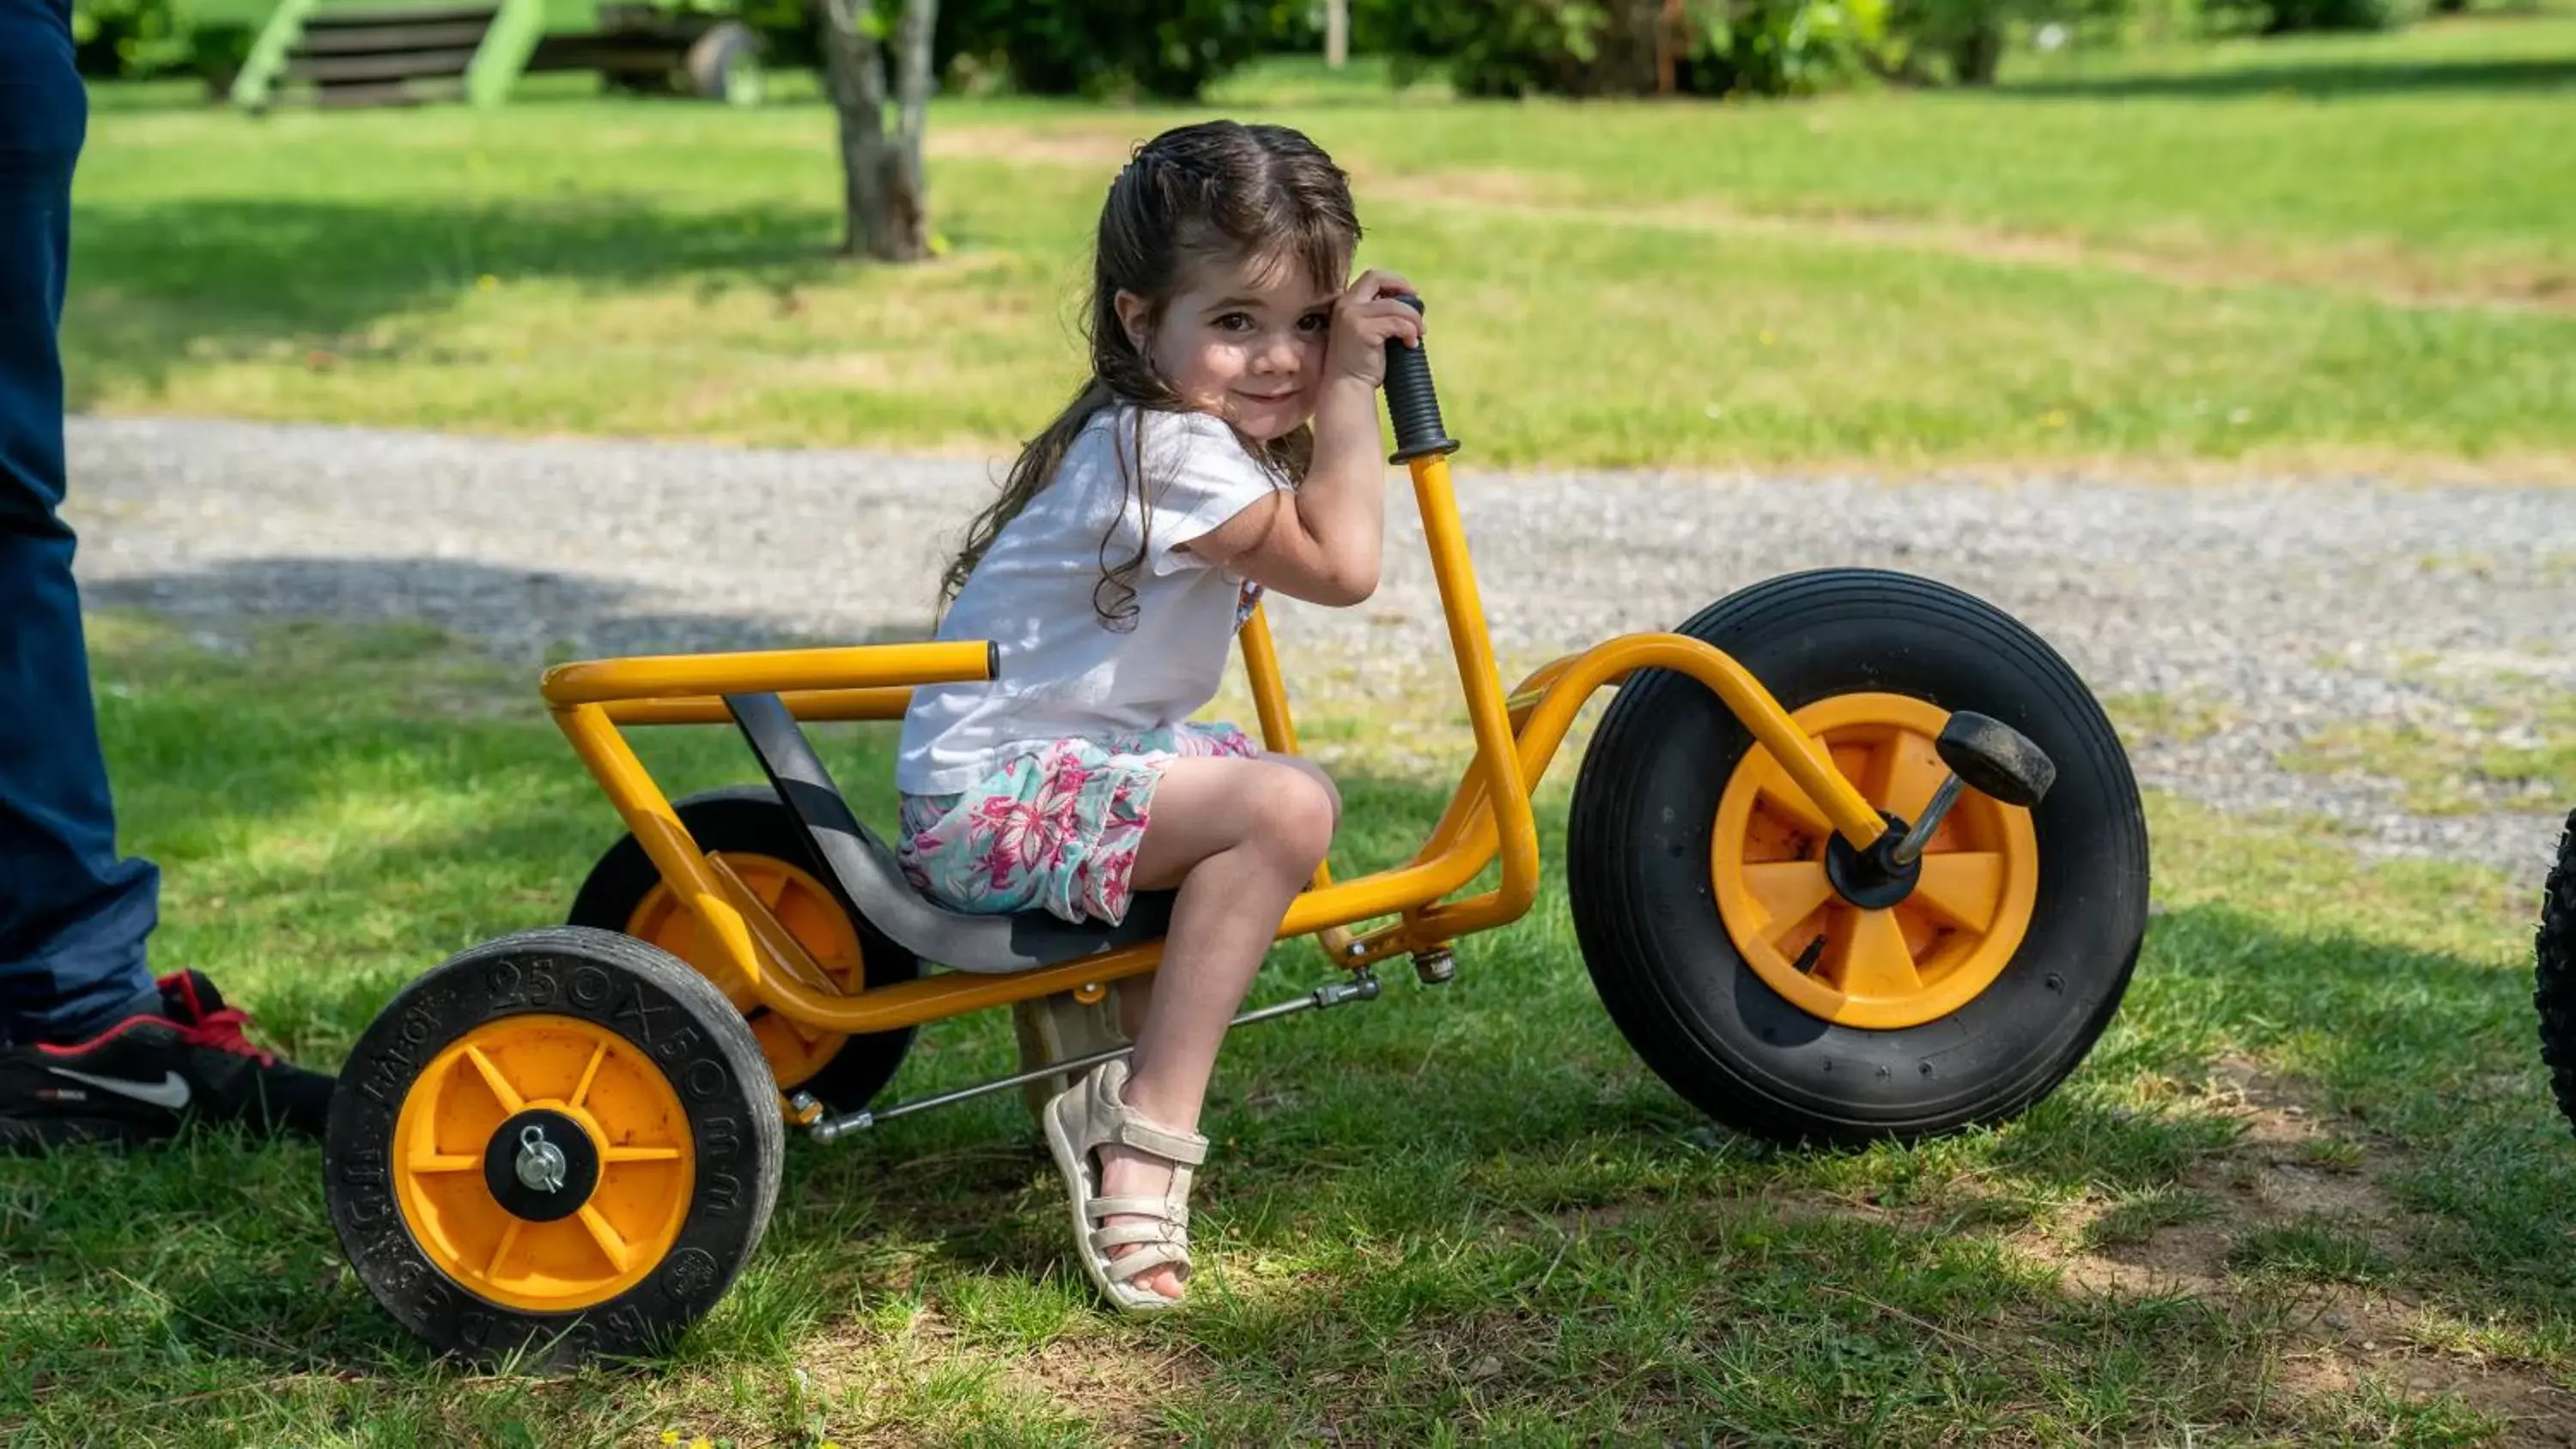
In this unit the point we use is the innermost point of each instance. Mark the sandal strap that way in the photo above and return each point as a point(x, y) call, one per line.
point(1126, 1128)
point(1149, 1207)
point(1143, 1260)
point(1122, 1234)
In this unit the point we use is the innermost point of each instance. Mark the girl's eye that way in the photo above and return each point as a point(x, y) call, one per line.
point(1234, 322)
point(1315, 321)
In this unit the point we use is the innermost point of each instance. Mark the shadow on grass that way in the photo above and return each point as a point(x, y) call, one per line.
point(170, 283)
point(528, 617)
point(2320, 81)
point(1463, 1201)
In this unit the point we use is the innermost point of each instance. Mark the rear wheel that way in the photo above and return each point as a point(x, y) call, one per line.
point(1705, 885)
point(768, 847)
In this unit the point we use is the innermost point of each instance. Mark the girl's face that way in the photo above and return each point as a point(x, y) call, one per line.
point(1243, 342)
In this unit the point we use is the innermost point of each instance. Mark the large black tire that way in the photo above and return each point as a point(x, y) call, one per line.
point(1638, 856)
point(750, 820)
point(681, 1031)
point(723, 65)
point(2554, 972)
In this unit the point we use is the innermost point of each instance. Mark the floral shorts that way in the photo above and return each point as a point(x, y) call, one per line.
point(1056, 830)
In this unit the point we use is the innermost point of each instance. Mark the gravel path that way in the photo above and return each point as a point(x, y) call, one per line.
point(2260, 612)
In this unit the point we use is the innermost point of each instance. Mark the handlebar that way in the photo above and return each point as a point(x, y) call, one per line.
point(1411, 402)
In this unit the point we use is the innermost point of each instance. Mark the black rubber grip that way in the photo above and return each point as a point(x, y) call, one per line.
point(1411, 402)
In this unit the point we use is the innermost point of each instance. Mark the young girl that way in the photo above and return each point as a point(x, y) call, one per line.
point(1227, 442)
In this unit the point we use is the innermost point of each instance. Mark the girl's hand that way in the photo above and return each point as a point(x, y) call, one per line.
point(1365, 319)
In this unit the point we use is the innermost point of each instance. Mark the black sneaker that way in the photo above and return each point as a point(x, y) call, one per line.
point(145, 1077)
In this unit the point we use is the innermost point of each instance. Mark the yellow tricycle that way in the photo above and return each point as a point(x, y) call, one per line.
point(1852, 855)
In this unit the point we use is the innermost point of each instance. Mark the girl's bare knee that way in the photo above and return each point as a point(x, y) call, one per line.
point(1314, 772)
point(1299, 812)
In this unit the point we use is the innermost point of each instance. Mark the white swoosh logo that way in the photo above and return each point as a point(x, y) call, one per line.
point(171, 1091)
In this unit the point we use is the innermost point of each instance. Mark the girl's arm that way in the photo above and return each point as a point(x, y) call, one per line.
point(1321, 542)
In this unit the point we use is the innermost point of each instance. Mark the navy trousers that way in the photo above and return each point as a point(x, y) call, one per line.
point(73, 914)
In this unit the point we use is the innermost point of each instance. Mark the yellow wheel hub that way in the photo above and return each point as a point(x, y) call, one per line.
point(1914, 962)
point(809, 912)
point(635, 1131)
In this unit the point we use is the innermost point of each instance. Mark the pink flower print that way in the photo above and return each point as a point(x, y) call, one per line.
point(1013, 830)
point(1057, 806)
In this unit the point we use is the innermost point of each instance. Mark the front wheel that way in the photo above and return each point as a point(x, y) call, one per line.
point(1707, 905)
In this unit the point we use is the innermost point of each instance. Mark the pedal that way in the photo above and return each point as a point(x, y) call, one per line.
point(1995, 759)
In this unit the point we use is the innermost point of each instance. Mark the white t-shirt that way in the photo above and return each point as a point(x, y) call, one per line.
point(1062, 671)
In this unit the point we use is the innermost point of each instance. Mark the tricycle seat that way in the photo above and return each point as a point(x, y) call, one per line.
point(875, 887)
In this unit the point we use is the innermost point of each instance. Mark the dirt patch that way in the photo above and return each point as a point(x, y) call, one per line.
point(2290, 1171)
point(1117, 1387)
point(1476, 186)
point(1113, 1387)
point(1065, 146)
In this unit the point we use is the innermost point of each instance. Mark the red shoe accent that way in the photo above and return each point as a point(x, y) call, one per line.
point(222, 1030)
point(74, 1049)
point(186, 981)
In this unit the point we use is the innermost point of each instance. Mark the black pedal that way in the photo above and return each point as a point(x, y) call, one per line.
point(1995, 759)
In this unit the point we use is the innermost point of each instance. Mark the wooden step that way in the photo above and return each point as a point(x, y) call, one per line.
point(377, 17)
point(331, 69)
point(379, 38)
point(388, 93)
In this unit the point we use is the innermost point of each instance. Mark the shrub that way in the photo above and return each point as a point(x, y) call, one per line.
point(1167, 49)
point(1618, 47)
point(130, 37)
point(2280, 17)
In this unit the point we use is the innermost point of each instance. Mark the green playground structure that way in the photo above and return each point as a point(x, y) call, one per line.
point(345, 53)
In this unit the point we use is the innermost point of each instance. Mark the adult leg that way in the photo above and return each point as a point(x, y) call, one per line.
point(73, 915)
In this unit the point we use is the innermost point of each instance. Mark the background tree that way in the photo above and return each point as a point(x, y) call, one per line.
point(885, 199)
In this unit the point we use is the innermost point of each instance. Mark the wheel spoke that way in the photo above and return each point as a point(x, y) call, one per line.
point(509, 1240)
point(442, 1162)
point(581, 1091)
point(507, 1095)
point(770, 888)
point(1782, 796)
point(1965, 887)
point(1904, 773)
point(1868, 956)
point(606, 1235)
point(1788, 891)
point(614, 1155)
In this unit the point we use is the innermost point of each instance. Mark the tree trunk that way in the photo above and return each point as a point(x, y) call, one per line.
point(883, 190)
point(1337, 32)
point(1979, 53)
point(1668, 44)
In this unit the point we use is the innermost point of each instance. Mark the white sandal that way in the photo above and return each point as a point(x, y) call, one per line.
point(1087, 1116)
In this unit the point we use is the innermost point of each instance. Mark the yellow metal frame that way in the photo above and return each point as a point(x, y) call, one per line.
point(1516, 735)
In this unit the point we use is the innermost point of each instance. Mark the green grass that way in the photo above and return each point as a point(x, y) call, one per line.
point(2511, 745)
point(1452, 1214)
point(2330, 251)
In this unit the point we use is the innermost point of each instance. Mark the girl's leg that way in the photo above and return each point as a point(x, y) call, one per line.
point(1135, 995)
point(1240, 838)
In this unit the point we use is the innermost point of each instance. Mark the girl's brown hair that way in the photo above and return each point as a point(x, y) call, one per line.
point(1218, 191)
